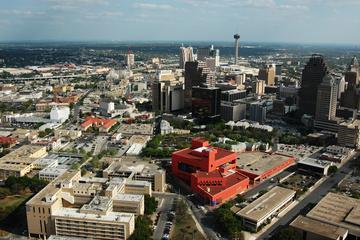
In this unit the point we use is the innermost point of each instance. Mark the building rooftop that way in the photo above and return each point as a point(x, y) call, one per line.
point(111, 217)
point(98, 204)
point(231, 179)
point(259, 162)
point(314, 226)
point(265, 204)
point(136, 129)
point(315, 162)
point(339, 210)
point(128, 197)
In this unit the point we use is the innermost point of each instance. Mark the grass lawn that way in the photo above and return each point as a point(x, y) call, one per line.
point(12, 213)
point(184, 229)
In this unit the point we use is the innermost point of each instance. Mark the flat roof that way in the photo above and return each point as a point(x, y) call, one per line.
point(315, 162)
point(320, 228)
point(259, 162)
point(128, 197)
point(338, 210)
point(265, 204)
point(111, 217)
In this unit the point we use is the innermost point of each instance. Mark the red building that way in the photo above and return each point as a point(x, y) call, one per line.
point(210, 171)
point(103, 124)
point(7, 141)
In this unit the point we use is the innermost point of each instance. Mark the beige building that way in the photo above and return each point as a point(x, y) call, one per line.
point(137, 170)
point(268, 75)
point(95, 208)
point(349, 134)
point(311, 229)
point(20, 161)
point(65, 133)
point(338, 210)
point(260, 87)
point(265, 207)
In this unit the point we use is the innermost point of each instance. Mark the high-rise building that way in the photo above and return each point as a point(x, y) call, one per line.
point(268, 75)
point(326, 99)
point(350, 98)
point(312, 76)
point(257, 111)
point(167, 93)
point(354, 67)
point(196, 74)
point(233, 111)
point(259, 87)
point(129, 59)
point(204, 53)
point(206, 103)
point(186, 55)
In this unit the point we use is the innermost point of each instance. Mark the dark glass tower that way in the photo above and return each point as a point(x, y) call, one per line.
point(312, 76)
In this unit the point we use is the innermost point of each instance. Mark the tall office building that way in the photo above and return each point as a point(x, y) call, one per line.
point(206, 103)
point(196, 74)
point(129, 59)
point(268, 75)
point(167, 93)
point(350, 97)
point(259, 87)
point(257, 111)
point(312, 76)
point(326, 99)
point(205, 53)
point(186, 55)
point(354, 67)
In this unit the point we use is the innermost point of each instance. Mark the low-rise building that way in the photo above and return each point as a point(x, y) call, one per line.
point(261, 165)
point(265, 207)
point(103, 124)
point(96, 208)
point(311, 229)
point(338, 210)
point(20, 161)
point(137, 170)
point(314, 166)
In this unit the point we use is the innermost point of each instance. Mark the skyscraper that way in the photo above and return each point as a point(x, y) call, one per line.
point(196, 74)
point(268, 75)
point(206, 103)
point(312, 76)
point(129, 59)
point(326, 99)
point(205, 53)
point(350, 97)
point(186, 55)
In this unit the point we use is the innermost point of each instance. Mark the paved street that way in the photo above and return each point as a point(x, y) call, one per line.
point(167, 202)
point(314, 197)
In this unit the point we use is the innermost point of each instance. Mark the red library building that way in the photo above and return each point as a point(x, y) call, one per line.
point(210, 171)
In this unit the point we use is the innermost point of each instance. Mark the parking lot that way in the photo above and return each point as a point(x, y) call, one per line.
point(300, 182)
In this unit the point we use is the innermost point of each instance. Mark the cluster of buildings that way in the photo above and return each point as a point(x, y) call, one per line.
point(216, 174)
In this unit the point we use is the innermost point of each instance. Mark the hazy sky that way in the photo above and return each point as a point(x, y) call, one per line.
point(310, 21)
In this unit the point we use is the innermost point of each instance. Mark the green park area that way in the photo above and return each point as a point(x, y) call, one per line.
point(185, 227)
point(13, 196)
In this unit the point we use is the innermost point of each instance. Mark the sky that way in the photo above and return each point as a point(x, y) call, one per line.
point(292, 21)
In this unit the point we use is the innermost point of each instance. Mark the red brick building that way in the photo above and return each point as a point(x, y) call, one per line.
point(210, 171)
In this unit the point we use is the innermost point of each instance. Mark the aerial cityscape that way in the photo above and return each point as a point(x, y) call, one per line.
point(143, 131)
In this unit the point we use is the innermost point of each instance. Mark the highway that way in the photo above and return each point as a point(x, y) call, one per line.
point(315, 196)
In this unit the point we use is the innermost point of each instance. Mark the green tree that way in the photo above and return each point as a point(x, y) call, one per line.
point(150, 205)
point(143, 229)
point(332, 169)
point(228, 221)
